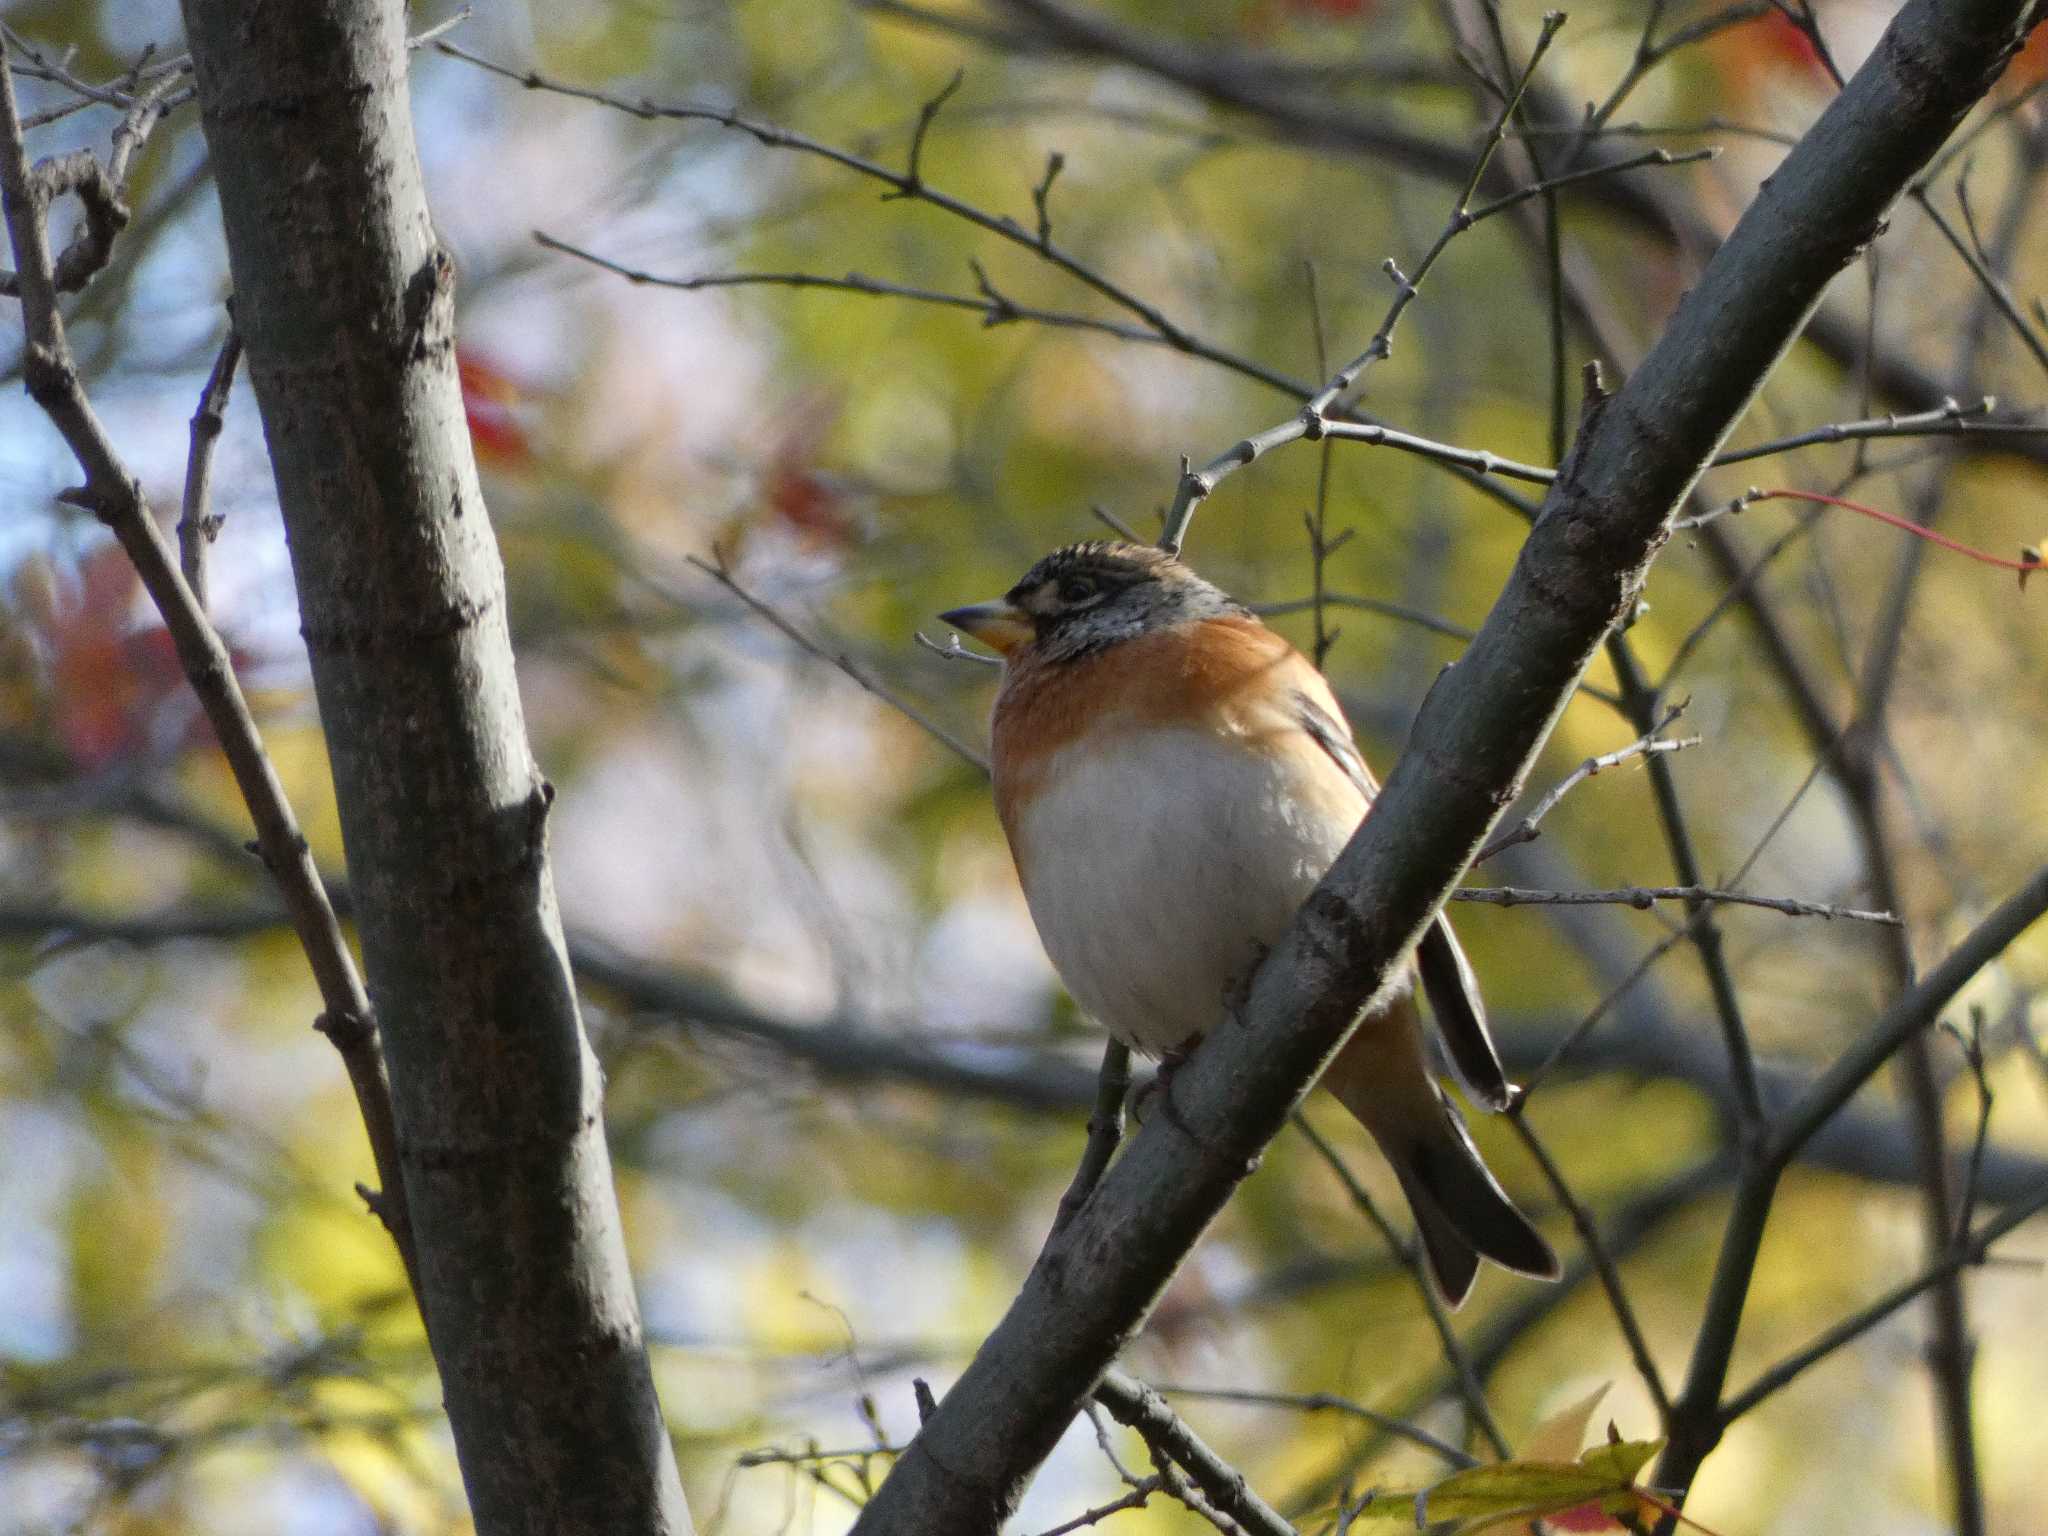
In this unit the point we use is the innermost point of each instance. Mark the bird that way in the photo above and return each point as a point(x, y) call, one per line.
point(1174, 778)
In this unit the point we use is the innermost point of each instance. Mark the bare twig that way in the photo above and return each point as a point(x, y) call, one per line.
point(1971, 1249)
point(1973, 1055)
point(1949, 419)
point(1105, 1130)
point(1133, 1404)
point(1989, 281)
point(1643, 897)
point(1471, 1389)
point(197, 523)
point(1603, 1261)
point(1478, 460)
point(927, 114)
point(996, 308)
point(1648, 744)
point(1325, 1402)
point(1196, 486)
point(1135, 1498)
point(717, 570)
point(113, 495)
point(1317, 519)
point(953, 650)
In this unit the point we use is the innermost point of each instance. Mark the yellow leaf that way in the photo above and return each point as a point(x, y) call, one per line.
point(1481, 1498)
point(1559, 1437)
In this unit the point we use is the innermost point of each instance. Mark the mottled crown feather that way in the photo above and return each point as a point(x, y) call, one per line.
point(1093, 594)
point(1115, 559)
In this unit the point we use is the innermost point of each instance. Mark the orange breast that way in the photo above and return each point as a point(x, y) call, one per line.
point(1233, 676)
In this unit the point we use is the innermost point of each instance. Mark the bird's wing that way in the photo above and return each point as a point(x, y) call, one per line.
point(1447, 977)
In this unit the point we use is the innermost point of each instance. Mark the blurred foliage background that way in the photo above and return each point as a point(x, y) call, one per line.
point(845, 1090)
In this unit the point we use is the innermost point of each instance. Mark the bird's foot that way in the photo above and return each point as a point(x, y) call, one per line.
point(1237, 996)
point(1160, 1082)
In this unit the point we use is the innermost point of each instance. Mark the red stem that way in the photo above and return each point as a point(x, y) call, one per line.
point(2029, 562)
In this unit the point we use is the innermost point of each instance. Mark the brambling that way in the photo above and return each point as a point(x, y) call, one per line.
point(1174, 778)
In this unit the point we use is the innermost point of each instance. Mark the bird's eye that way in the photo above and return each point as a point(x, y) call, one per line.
point(1077, 589)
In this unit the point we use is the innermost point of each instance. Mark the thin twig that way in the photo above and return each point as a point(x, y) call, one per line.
point(1478, 460)
point(1649, 743)
point(197, 523)
point(953, 650)
point(1949, 419)
point(1105, 1130)
point(1971, 1250)
point(1317, 519)
point(994, 307)
point(1644, 897)
point(1973, 1055)
point(114, 495)
point(998, 308)
point(1989, 281)
point(1470, 1389)
point(1196, 486)
point(1325, 1402)
point(1597, 1252)
point(717, 570)
point(1135, 1498)
point(1133, 1404)
point(1640, 704)
point(1156, 326)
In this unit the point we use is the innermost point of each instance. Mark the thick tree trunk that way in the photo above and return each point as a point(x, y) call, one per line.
point(345, 300)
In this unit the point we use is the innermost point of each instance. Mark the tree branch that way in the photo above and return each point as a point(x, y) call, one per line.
point(1133, 1404)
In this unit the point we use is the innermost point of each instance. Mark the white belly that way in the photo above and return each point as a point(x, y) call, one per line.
point(1157, 872)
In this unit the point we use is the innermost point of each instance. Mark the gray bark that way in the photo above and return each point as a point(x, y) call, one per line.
point(1636, 458)
point(345, 300)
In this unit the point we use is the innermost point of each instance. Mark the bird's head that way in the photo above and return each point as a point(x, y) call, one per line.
point(1087, 596)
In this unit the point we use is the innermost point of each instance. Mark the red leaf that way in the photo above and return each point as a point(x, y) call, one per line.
point(109, 680)
point(1331, 10)
point(1778, 38)
point(809, 502)
point(491, 402)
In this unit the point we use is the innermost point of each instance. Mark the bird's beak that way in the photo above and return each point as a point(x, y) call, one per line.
point(1000, 624)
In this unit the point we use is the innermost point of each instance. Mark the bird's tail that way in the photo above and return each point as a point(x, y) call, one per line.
point(1382, 1076)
